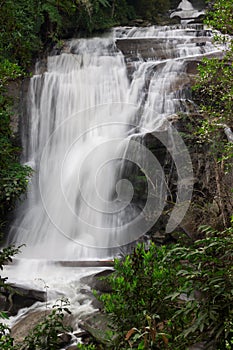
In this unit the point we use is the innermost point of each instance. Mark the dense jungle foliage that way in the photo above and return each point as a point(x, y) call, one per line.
point(176, 295)
point(171, 297)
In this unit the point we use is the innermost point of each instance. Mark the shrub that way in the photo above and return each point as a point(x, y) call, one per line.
point(172, 297)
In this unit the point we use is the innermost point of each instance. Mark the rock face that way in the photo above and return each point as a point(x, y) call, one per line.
point(141, 46)
point(18, 297)
point(21, 329)
point(17, 90)
point(98, 326)
point(154, 48)
point(97, 281)
point(26, 324)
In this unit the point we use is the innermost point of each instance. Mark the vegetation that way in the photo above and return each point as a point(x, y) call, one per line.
point(44, 336)
point(13, 176)
point(213, 92)
point(6, 255)
point(6, 341)
point(171, 297)
point(28, 26)
point(174, 296)
point(166, 297)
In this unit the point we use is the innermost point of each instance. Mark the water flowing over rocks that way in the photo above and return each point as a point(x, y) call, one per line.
point(135, 77)
point(21, 329)
point(86, 104)
point(17, 297)
point(186, 12)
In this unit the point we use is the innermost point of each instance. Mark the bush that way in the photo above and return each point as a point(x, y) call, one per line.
point(172, 297)
point(44, 336)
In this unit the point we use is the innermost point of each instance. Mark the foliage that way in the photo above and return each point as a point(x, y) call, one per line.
point(206, 278)
point(13, 183)
point(214, 86)
point(172, 297)
point(151, 336)
point(45, 334)
point(134, 284)
point(213, 93)
point(137, 304)
point(18, 37)
point(86, 347)
point(221, 16)
point(151, 10)
point(6, 255)
point(6, 341)
point(13, 176)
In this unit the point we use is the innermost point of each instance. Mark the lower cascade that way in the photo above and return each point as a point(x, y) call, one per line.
point(89, 111)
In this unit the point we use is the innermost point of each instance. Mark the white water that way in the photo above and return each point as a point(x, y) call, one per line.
point(59, 283)
point(186, 12)
point(83, 113)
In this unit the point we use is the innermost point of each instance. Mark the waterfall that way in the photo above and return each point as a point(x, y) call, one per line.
point(186, 12)
point(96, 98)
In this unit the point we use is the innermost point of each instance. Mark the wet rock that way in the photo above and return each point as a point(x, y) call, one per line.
point(87, 294)
point(97, 281)
point(29, 320)
point(17, 90)
point(72, 347)
point(3, 303)
point(64, 339)
point(88, 263)
point(84, 336)
point(157, 48)
point(98, 326)
point(22, 328)
point(19, 296)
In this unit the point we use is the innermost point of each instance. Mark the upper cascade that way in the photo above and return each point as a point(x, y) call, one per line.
point(186, 12)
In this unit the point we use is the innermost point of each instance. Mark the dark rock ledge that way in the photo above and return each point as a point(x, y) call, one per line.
point(17, 297)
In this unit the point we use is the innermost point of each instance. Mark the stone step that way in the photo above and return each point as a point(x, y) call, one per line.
point(72, 263)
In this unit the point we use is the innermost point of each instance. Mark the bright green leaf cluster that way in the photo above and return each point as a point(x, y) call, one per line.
point(172, 297)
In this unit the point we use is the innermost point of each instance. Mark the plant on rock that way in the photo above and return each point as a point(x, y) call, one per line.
point(45, 334)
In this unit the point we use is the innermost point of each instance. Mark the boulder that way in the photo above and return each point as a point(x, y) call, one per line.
point(99, 326)
point(64, 339)
point(30, 319)
point(22, 328)
point(86, 294)
point(98, 282)
point(18, 297)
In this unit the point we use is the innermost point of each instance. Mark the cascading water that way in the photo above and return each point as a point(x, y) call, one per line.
point(83, 111)
point(87, 114)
